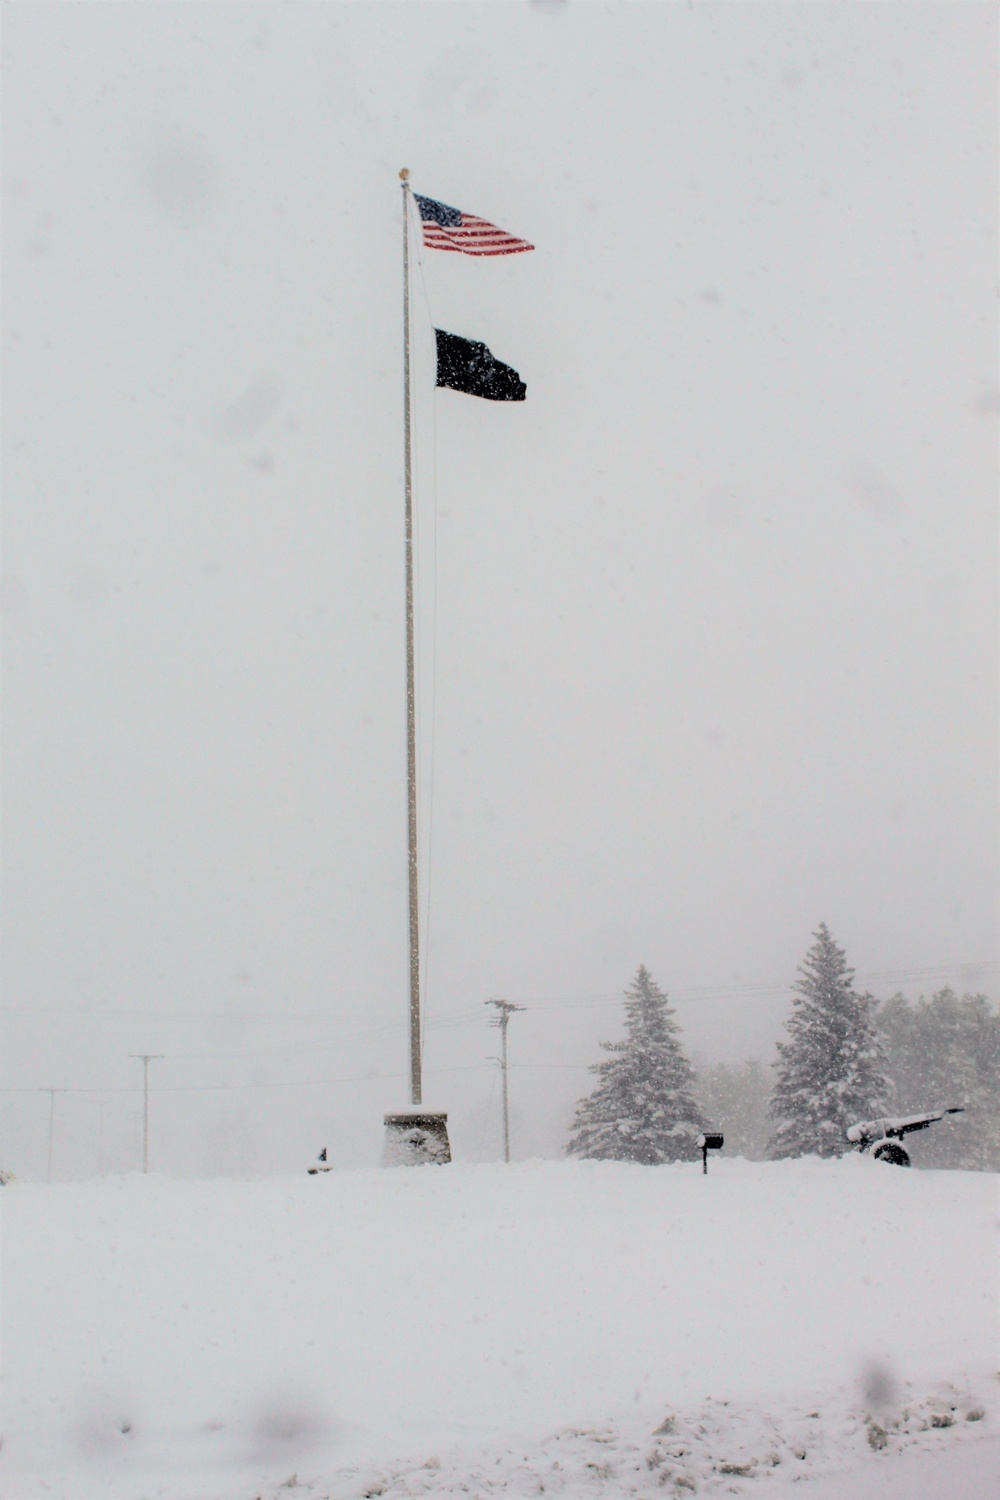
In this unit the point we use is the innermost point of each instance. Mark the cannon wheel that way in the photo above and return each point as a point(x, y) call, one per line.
point(893, 1153)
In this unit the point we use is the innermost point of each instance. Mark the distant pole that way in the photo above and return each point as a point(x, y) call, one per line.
point(502, 1019)
point(145, 1058)
point(52, 1125)
point(416, 1089)
point(100, 1136)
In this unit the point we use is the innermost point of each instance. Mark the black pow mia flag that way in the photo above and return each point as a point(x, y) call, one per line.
point(468, 366)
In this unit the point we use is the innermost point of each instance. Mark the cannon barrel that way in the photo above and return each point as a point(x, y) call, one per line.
point(865, 1131)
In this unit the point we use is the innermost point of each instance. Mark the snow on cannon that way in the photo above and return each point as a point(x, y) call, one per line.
point(882, 1137)
point(707, 1143)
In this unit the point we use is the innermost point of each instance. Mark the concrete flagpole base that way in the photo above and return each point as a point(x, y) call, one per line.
point(414, 1137)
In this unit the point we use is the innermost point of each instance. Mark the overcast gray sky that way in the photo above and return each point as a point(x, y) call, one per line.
point(715, 646)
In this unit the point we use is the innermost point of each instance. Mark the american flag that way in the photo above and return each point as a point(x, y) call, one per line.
point(449, 229)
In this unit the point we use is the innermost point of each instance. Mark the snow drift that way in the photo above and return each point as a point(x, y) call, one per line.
point(593, 1327)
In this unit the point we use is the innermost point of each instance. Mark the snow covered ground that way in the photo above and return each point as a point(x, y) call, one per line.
point(567, 1328)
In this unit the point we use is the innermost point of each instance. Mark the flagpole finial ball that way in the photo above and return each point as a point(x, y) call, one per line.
point(404, 174)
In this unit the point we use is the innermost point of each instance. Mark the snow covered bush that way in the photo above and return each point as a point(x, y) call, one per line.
point(643, 1108)
point(831, 1072)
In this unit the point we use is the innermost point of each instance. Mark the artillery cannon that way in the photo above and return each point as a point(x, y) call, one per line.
point(882, 1137)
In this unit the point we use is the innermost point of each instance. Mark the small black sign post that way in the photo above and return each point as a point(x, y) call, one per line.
point(709, 1143)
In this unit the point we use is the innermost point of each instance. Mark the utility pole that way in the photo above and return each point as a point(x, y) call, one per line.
point(145, 1058)
point(52, 1123)
point(501, 1019)
point(100, 1136)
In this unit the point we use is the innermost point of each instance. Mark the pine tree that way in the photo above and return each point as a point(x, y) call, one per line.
point(831, 1073)
point(643, 1109)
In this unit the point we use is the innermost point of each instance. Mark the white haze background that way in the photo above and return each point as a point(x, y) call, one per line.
point(715, 649)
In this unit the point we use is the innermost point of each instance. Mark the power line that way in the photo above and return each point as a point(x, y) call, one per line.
point(208, 1088)
point(310, 1083)
point(574, 1067)
point(454, 1019)
point(97, 1013)
point(761, 988)
point(441, 1023)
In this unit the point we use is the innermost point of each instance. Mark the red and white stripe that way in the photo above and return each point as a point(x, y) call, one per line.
point(472, 237)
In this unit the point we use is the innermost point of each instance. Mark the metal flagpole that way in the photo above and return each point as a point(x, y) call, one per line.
point(411, 696)
point(417, 1135)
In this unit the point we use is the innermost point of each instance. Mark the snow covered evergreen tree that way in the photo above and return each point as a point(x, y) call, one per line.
point(831, 1073)
point(643, 1108)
